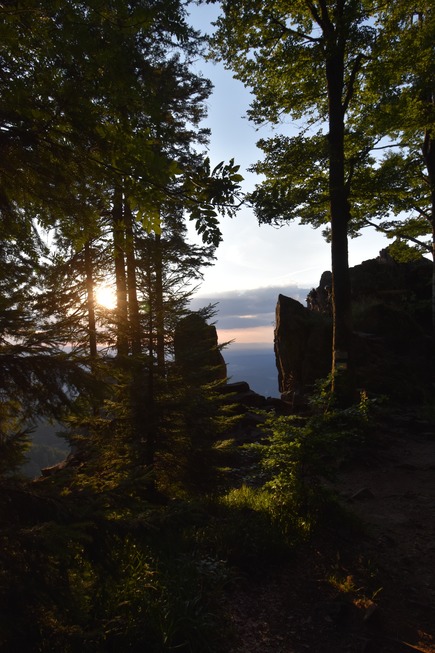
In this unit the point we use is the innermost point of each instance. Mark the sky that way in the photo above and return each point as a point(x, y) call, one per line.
point(256, 263)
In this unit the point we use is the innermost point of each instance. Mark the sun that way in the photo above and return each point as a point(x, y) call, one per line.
point(105, 296)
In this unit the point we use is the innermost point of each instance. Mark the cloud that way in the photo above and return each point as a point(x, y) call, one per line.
point(248, 316)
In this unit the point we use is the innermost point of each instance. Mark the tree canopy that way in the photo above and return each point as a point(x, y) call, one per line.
point(100, 139)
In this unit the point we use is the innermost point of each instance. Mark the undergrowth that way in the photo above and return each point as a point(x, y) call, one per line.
point(107, 570)
point(300, 457)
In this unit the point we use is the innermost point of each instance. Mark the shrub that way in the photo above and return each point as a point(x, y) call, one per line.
point(303, 453)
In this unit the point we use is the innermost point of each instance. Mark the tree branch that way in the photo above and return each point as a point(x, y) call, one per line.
point(422, 213)
point(293, 32)
point(351, 85)
point(386, 147)
point(322, 20)
point(379, 227)
point(315, 14)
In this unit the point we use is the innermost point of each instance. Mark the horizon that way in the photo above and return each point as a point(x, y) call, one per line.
point(246, 318)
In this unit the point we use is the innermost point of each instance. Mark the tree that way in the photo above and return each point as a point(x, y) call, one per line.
point(153, 272)
point(73, 163)
point(307, 61)
point(404, 83)
point(168, 267)
point(37, 376)
point(66, 157)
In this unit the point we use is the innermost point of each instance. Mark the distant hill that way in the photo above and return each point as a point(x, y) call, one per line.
point(254, 365)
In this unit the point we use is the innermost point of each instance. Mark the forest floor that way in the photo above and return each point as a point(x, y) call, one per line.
point(368, 585)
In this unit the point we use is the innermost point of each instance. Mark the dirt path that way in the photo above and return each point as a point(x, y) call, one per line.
point(366, 592)
point(395, 498)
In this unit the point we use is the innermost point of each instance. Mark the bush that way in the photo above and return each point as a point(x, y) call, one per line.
point(304, 453)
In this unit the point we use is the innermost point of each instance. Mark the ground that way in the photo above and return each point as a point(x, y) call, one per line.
point(368, 585)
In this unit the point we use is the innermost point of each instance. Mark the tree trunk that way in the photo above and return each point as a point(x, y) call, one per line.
point(340, 216)
point(160, 316)
point(429, 159)
point(150, 444)
point(120, 278)
point(433, 281)
point(90, 300)
point(133, 304)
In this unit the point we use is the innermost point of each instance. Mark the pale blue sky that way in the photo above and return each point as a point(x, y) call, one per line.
point(253, 257)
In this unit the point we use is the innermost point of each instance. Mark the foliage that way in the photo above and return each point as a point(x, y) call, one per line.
point(105, 583)
point(158, 599)
point(90, 563)
point(304, 453)
point(288, 193)
point(402, 200)
point(285, 56)
point(130, 546)
point(246, 531)
point(132, 133)
point(107, 178)
point(14, 437)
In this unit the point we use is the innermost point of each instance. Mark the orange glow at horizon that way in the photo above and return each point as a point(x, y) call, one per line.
point(250, 335)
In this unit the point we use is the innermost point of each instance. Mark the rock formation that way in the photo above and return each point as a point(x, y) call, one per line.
point(392, 324)
point(196, 350)
point(300, 351)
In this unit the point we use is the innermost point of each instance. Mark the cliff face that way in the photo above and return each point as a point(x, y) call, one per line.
point(392, 325)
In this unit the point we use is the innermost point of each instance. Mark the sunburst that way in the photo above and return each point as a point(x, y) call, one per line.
point(105, 296)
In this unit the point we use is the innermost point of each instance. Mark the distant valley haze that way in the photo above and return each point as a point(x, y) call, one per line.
point(256, 366)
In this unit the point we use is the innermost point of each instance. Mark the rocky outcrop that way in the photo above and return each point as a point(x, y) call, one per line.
point(251, 409)
point(392, 326)
point(320, 299)
point(300, 351)
point(196, 350)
